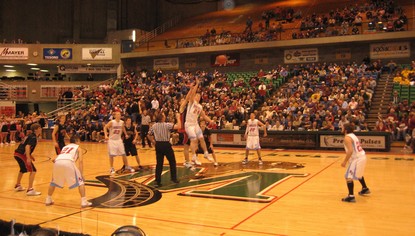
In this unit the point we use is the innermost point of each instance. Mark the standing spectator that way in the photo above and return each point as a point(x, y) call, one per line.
point(67, 95)
point(134, 111)
point(249, 23)
point(262, 90)
point(155, 104)
point(25, 159)
point(160, 133)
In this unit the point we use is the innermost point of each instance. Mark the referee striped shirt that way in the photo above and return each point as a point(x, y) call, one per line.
point(161, 131)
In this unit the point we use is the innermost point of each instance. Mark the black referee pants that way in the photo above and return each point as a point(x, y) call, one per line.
point(164, 149)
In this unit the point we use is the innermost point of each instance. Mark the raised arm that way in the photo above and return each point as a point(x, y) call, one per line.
point(183, 104)
point(178, 124)
point(191, 94)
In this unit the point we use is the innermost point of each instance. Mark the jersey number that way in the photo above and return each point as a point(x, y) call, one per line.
point(359, 147)
point(66, 150)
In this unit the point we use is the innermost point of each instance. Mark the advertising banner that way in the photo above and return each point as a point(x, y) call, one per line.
point(225, 59)
point(390, 50)
point(305, 55)
point(11, 53)
point(368, 142)
point(96, 53)
point(166, 63)
point(85, 69)
point(289, 140)
point(57, 53)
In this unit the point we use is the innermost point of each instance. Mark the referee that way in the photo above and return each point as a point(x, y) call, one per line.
point(160, 134)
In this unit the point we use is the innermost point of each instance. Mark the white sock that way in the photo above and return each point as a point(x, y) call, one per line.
point(83, 199)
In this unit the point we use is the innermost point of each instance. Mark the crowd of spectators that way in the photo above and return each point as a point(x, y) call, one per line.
point(314, 97)
point(318, 96)
point(377, 15)
point(400, 117)
point(405, 75)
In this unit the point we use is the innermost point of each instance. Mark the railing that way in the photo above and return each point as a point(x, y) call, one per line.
point(268, 35)
point(65, 107)
point(157, 31)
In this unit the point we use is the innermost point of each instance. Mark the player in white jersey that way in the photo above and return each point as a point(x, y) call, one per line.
point(115, 143)
point(252, 137)
point(65, 171)
point(356, 157)
point(193, 130)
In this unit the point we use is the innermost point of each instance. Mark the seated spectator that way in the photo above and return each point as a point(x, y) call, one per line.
point(401, 130)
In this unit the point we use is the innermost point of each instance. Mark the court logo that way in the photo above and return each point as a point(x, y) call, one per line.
point(125, 191)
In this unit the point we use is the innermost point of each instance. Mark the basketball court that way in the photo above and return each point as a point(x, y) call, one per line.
point(295, 192)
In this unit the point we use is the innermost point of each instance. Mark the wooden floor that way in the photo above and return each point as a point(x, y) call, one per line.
point(307, 203)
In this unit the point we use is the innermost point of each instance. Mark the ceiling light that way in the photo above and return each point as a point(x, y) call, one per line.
point(88, 64)
point(35, 68)
point(31, 64)
point(8, 66)
point(9, 70)
point(44, 70)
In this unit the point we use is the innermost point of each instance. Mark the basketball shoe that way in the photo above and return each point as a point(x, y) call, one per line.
point(364, 191)
point(349, 199)
point(196, 161)
point(188, 164)
point(32, 192)
point(209, 157)
point(129, 168)
point(86, 204)
point(19, 188)
point(49, 201)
